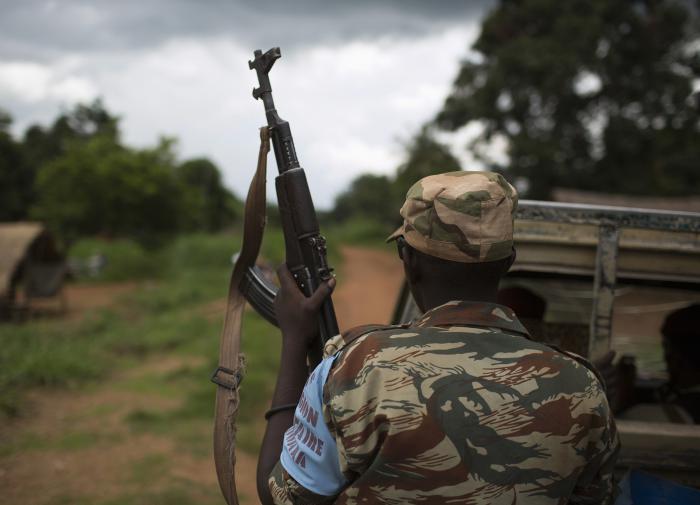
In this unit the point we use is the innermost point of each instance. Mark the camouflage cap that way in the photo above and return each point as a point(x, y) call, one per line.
point(460, 216)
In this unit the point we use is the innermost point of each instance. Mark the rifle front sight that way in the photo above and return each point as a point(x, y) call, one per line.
point(262, 63)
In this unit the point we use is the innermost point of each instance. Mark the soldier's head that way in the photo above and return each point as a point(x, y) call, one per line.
point(456, 241)
point(681, 339)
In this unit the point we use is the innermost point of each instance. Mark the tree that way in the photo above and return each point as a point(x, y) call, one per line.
point(99, 187)
point(593, 94)
point(424, 156)
point(81, 123)
point(368, 196)
point(380, 197)
point(79, 178)
point(20, 162)
point(16, 180)
point(211, 205)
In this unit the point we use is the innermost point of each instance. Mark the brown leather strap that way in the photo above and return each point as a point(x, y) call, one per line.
point(231, 363)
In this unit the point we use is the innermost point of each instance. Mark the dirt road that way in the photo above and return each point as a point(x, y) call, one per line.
point(368, 286)
point(367, 289)
point(77, 447)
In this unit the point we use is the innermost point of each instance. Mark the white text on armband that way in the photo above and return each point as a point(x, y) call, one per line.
point(309, 451)
point(300, 434)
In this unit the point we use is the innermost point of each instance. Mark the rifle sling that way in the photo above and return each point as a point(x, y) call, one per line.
point(230, 371)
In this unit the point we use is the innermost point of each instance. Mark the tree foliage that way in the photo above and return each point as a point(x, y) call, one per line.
point(424, 156)
point(369, 195)
point(592, 94)
point(16, 179)
point(380, 197)
point(100, 187)
point(212, 206)
point(78, 177)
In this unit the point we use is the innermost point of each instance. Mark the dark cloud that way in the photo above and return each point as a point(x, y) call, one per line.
point(43, 29)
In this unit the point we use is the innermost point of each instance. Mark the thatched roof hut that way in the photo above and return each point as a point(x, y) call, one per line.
point(29, 257)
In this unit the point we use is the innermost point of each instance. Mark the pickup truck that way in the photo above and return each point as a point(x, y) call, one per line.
point(605, 279)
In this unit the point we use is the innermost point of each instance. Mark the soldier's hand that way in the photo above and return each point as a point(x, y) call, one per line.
point(296, 314)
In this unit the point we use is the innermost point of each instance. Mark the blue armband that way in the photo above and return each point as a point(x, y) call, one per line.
point(309, 451)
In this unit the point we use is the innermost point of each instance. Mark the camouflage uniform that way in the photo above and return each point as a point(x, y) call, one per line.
point(461, 406)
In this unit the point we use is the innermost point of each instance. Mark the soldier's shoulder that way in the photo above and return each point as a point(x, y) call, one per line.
point(349, 339)
point(580, 361)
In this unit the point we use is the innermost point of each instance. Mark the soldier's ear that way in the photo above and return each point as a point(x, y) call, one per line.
point(411, 265)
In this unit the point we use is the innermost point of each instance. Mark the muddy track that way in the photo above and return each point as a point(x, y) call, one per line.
point(368, 287)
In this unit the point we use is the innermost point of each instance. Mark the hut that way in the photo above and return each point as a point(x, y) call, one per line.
point(31, 266)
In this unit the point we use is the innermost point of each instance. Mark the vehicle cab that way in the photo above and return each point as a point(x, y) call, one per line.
point(591, 279)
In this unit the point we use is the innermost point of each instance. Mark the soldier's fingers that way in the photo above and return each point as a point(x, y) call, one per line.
point(604, 363)
point(287, 282)
point(322, 292)
point(609, 357)
point(284, 275)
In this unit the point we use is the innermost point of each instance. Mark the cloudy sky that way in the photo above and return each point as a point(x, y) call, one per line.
point(355, 80)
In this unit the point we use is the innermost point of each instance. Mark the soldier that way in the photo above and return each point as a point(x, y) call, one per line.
point(682, 352)
point(678, 400)
point(459, 406)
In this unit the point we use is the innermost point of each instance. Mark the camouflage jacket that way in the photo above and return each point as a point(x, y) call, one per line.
point(462, 407)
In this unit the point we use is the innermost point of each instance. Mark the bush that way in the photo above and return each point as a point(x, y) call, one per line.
point(359, 231)
point(101, 187)
point(124, 260)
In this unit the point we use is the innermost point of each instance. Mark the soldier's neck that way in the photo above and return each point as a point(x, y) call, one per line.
point(434, 296)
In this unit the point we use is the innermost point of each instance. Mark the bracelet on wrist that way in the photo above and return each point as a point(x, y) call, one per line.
point(281, 408)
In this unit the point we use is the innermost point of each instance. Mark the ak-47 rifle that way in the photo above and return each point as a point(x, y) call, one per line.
point(306, 258)
point(305, 247)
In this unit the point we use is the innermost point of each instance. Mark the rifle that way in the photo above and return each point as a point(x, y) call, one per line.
point(305, 247)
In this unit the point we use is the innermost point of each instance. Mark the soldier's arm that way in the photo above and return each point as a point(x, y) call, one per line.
point(297, 317)
point(308, 470)
point(290, 382)
point(597, 484)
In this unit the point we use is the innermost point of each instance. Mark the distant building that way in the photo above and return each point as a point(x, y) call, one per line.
point(31, 266)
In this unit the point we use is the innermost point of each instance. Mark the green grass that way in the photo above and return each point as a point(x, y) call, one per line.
point(149, 468)
point(262, 348)
point(168, 315)
point(69, 441)
point(359, 232)
point(195, 254)
point(164, 315)
point(172, 313)
point(126, 259)
point(178, 492)
point(158, 317)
